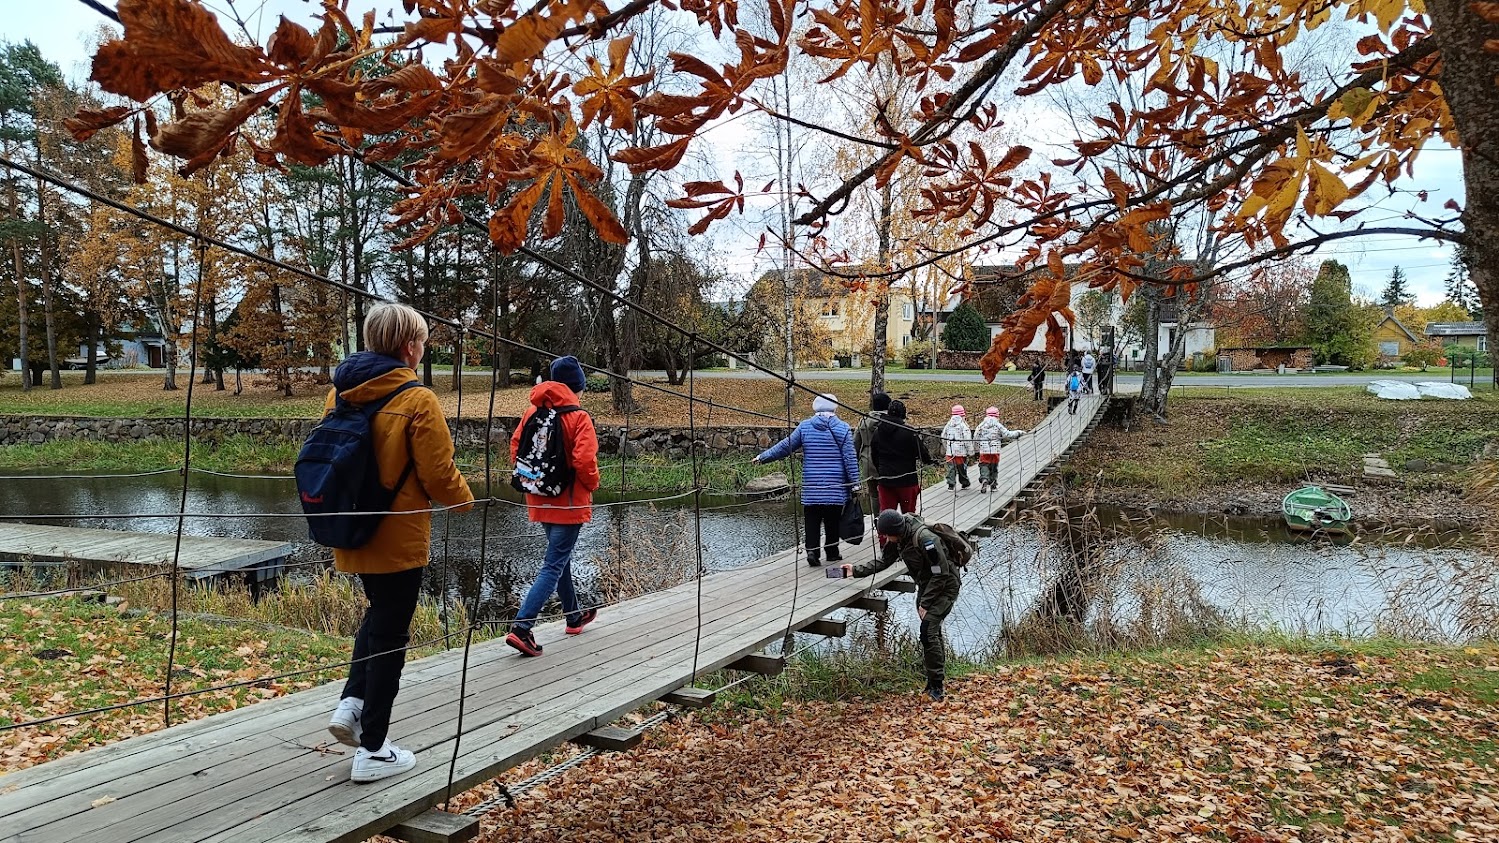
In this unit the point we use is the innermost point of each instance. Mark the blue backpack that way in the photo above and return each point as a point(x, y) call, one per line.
point(338, 478)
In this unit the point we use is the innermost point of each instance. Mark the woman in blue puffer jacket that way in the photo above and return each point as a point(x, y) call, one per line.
point(830, 473)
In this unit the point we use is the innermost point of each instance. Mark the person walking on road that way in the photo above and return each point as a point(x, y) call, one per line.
point(1089, 367)
point(1037, 379)
point(414, 456)
point(555, 410)
point(830, 474)
point(938, 582)
point(957, 447)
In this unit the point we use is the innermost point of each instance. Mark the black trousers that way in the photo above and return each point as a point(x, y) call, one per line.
point(933, 648)
point(1036, 391)
point(379, 649)
point(822, 520)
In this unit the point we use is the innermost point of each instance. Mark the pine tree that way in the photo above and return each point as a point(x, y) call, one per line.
point(1460, 289)
point(1397, 292)
point(965, 330)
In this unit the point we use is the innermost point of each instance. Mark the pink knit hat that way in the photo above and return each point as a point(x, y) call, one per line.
point(957, 410)
point(992, 412)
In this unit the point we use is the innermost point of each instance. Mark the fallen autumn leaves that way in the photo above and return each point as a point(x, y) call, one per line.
point(1249, 745)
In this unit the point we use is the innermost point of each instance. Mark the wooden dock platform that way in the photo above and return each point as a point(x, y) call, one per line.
point(253, 774)
point(44, 545)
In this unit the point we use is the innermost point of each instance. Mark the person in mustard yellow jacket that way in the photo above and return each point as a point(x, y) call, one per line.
point(563, 516)
point(410, 429)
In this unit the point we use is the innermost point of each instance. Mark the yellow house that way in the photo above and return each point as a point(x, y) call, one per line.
point(1392, 339)
point(841, 311)
point(1467, 334)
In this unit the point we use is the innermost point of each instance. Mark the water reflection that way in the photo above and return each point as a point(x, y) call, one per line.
point(1250, 568)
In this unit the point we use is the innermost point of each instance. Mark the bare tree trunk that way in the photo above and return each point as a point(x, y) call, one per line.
point(427, 299)
point(880, 350)
point(46, 276)
point(169, 328)
point(92, 337)
point(1152, 342)
point(1468, 74)
point(20, 262)
point(283, 371)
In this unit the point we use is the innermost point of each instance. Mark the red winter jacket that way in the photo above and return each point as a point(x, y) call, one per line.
point(574, 506)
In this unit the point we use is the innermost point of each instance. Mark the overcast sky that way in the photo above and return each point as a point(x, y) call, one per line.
point(62, 28)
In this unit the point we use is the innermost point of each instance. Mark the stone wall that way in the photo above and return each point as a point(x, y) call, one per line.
point(970, 360)
point(613, 440)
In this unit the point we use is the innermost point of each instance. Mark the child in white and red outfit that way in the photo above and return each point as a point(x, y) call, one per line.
point(989, 436)
point(957, 446)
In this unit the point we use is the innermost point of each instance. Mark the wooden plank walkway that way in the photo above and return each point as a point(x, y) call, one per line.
point(202, 556)
point(250, 775)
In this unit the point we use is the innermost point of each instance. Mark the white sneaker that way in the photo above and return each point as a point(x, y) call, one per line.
point(391, 760)
point(344, 727)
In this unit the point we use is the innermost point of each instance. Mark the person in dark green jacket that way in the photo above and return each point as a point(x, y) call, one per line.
point(937, 583)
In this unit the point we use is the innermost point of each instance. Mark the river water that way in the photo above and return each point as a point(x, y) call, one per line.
point(1242, 568)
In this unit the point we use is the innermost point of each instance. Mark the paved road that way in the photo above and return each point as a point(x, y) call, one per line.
point(1124, 381)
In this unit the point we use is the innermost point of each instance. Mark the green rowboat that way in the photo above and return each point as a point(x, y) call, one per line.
point(1313, 509)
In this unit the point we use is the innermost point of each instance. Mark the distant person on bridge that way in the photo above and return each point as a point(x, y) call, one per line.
point(1090, 366)
point(830, 474)
point(414, 453)
point(1074, 391)
point(937, 579)
point(894, 454)
point(1037, 379)
point(957, 446)
point(556, 454)
point(864, 442)
point(989, 436)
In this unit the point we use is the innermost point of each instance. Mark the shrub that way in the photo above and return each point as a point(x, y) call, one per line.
point(1422, 355)
point(1462, 356)
point(915, 356)
point(965, 330)
point(596, 383)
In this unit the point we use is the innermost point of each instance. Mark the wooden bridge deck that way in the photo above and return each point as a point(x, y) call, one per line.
point(250, 775)
point(202, 556)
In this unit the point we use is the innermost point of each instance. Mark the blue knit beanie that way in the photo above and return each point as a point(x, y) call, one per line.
point(569, 372)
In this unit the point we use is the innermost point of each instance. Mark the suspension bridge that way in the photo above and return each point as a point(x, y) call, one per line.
point(265, 772)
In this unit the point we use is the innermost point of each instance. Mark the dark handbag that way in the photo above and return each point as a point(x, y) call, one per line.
point(851, 524)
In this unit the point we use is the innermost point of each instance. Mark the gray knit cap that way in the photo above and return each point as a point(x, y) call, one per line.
point(891, 523)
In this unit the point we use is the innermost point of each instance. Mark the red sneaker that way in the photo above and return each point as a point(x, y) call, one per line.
point(584, 619)
point(524, 641)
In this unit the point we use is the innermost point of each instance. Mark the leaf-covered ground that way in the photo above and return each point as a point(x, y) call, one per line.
point(59, 656)
point(1250, 744)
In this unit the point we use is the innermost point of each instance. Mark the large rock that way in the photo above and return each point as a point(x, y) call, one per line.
point(769, 484)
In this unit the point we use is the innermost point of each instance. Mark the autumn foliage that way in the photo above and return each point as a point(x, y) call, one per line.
point(1219, 125)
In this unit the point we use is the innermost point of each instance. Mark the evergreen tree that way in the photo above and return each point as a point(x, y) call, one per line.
point(1339, 331)
point(1460, 289)
point(1397, 292)
point(965, 330)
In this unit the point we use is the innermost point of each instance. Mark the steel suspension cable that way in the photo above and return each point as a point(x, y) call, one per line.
point(187, 461)
point(697, 500)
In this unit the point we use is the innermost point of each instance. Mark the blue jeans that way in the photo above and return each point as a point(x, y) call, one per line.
point(556, 576)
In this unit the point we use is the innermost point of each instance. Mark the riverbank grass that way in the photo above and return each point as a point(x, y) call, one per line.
point(1281, 436)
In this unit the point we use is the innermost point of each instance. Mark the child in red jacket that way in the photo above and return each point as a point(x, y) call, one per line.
point(562, 516)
